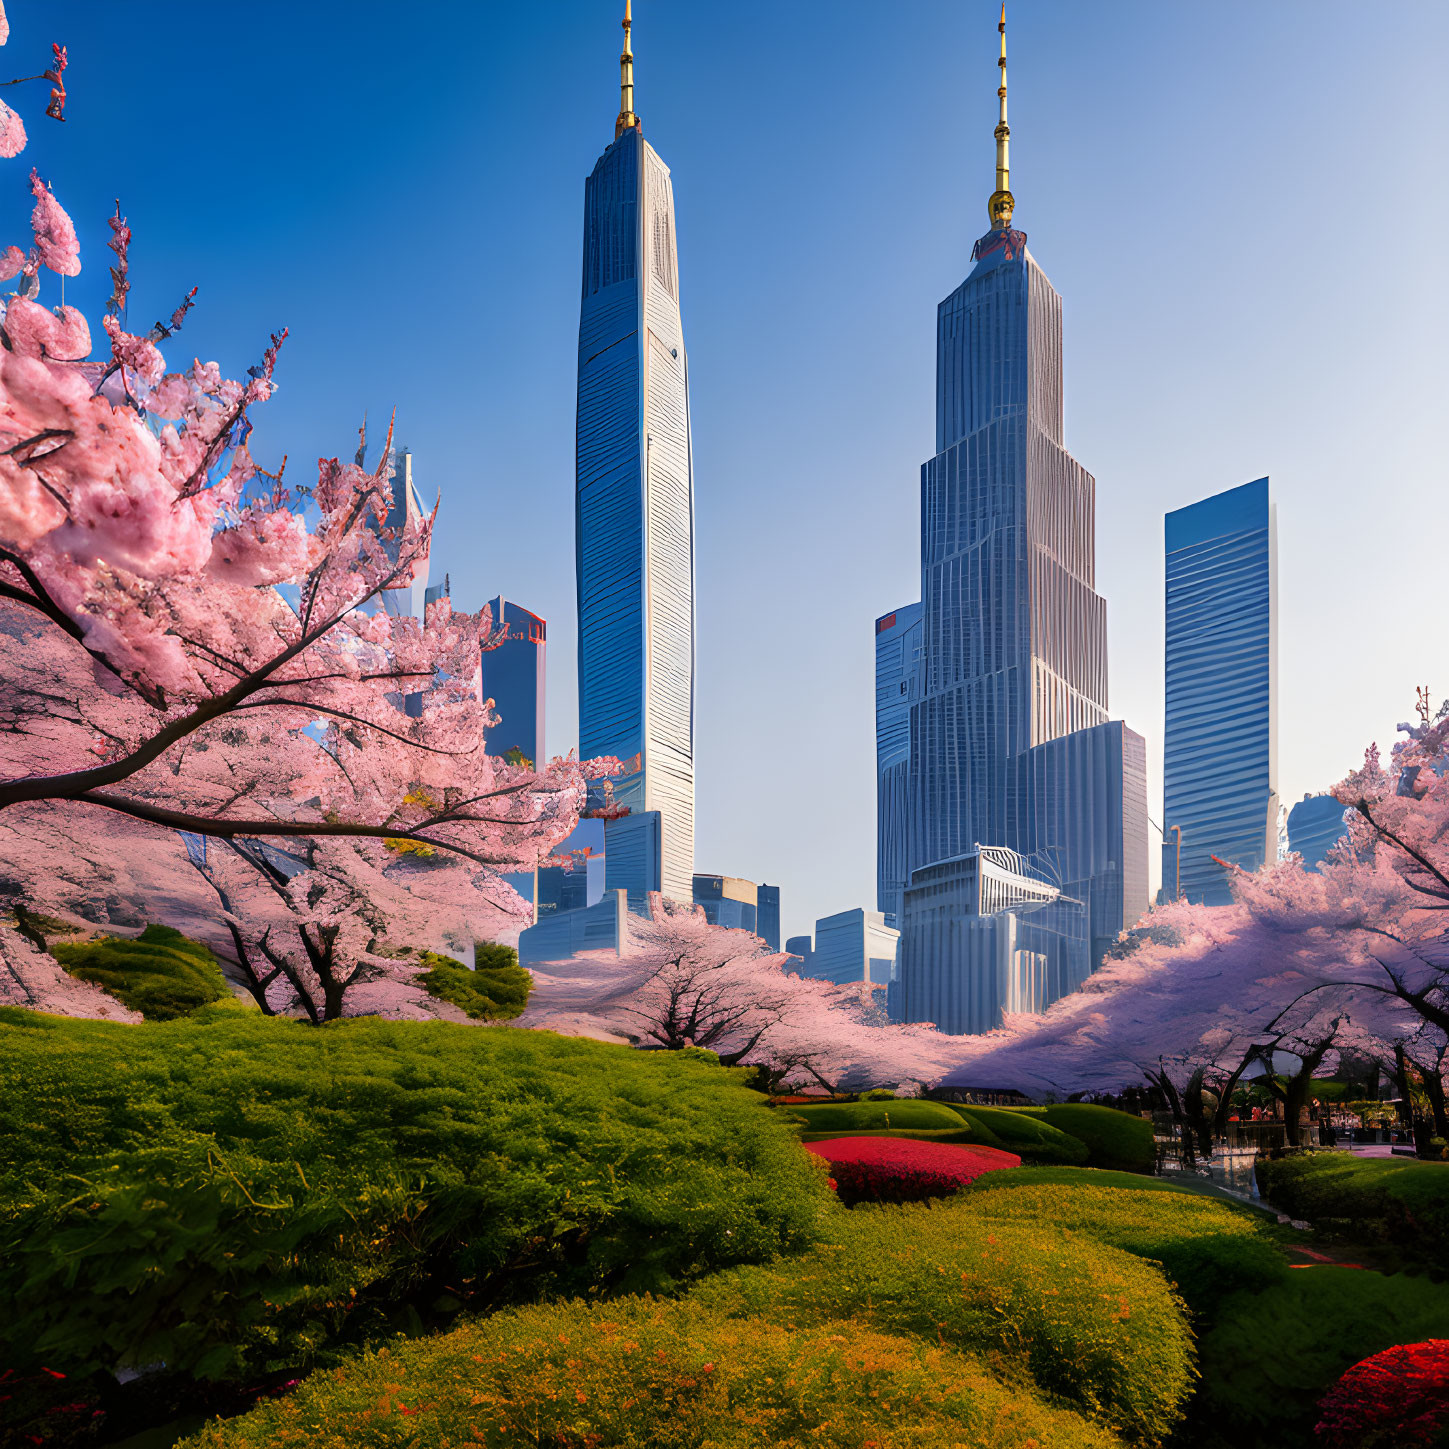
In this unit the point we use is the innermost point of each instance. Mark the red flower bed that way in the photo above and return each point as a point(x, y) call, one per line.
point(902, 1169)
point(1399, 1397)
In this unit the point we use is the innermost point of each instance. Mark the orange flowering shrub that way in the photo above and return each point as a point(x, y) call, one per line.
point(663, 1374)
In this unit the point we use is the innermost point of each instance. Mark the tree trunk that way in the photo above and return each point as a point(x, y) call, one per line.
point(1434, 1090)
point(1406, 1100)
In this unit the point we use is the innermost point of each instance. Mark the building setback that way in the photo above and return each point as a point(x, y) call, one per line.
point(897, 686)
point(1220, 753)
point(634, 524)
point(1010, 743)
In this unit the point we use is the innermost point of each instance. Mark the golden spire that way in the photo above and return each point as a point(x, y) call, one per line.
point(1002, 203)
point(627, 118)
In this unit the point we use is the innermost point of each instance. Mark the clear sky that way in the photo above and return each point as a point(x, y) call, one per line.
point(1243, 206)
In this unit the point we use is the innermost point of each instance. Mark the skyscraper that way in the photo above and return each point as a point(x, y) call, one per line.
point(897, 686)
point(1220, 752)
point(634, 523)
point(513, 678)
point(767, 916)
point(726, 900)
point(1010, 744)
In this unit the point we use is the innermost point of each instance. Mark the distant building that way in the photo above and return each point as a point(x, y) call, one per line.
point(634, 511)
point(897, 687)
point(410, 599)
point(600, 927)
point(1315, 825)
point(1012, 748)
point(804, 948)
point(581, 885)
point(854, 945)
point(1220, 753)
point(767, 916)
point(513, 674)
point(727, 901)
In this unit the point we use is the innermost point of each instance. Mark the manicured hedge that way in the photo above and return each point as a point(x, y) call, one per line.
point(1271, 1356)
point(874, 1169)
point(160, 973)
point(671, 1375)
point(231, 1193)
point(495, 990)
point(1027, 1134)
point(853, 1116)
point(1085, 1320)
point(1115, 1140)
point(1398, 1396)
point(1394, 1198)
point(1207, 1247)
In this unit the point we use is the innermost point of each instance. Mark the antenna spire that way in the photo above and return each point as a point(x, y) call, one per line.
point(1002, 203)
point(627, 119)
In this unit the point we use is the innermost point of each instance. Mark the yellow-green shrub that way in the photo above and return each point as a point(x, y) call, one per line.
point(638, 1372)
point(1085, 1320)
point(161, 973)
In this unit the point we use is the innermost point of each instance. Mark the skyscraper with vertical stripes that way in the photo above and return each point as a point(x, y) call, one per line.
point(634, 521)
point(1010, 747)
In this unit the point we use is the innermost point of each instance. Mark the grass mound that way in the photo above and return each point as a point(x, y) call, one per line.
point(1027, 1134)
point(673, 1375)
point(1115, 1140)
point(231, 1193)
point(161, 973)
point(1208, 1248)
point(1084, 1320)
point(909, 1112)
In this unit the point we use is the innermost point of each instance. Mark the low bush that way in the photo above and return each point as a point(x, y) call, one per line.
point(636, 1372)
point(1393, 1198)
point(1399, 1397)
point(160, 973)
point(1115, 1140)
point(495, 990)
point(1028, 1135)
point(1207, 1247)
point(1271, 1356)
point(893, 1169)
point(899, 1112)
point(1085, 1320)
point(233, 1194)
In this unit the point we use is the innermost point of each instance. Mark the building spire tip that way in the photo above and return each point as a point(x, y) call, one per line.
point(627, 119)
point(1002, 203)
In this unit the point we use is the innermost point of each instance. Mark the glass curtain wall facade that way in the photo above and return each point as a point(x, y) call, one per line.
point(513, 678)
point(1010, 744)
point(897, 686)
point(1220, 756)
point(767, 918)
point(1315, 825)
point(634, 524)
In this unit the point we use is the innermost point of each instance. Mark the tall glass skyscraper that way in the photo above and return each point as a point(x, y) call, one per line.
point(1010, 745)
point(634, 523)
point(897, 687)
point(1220, 748)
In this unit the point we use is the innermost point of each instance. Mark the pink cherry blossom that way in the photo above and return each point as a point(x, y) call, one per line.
point(55, 237)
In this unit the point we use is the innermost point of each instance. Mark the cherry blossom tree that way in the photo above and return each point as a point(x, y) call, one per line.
point(12, 129)
point(187, 642)
point(681, 981)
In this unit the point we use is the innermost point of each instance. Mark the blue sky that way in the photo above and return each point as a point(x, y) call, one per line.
point(1243, 206)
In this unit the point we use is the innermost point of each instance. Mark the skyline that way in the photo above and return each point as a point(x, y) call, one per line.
point(786, 439)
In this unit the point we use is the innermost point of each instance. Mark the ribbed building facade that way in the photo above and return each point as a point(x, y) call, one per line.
point(635, 516)
point(1010, 744)
point(897, 687)
point(1220, 757)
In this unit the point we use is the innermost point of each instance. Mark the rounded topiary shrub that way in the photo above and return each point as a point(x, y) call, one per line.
point(1397, 1399)
point(672, 1375)
point(160, 973)
point(1028, 1134)
point(1115, 1140)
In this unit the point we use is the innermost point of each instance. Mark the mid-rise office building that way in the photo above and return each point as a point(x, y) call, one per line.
point(1315, 825)
point(634, 524)
point(726, 900)
point(802, 947)
point(767, 916)
point(1220, 753)
point(1011, 747)
point(851, 946)
point(897, 686)
point(513, 677)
